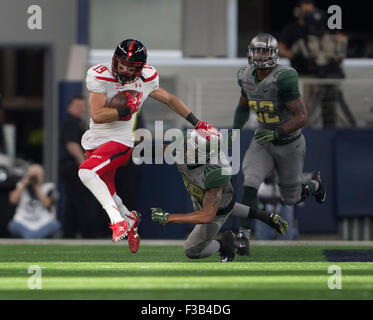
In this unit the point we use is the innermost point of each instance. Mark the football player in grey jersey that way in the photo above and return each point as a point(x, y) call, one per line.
point(271, 90)
point(208, 181)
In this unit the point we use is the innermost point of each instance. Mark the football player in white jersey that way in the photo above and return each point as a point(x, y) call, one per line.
point(109, 140)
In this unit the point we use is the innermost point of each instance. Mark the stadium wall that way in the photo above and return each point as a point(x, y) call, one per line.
point(57, 35)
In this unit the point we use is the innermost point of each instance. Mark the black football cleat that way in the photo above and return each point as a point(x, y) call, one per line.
point(241, 244)
point(227, 246)
point(320, 194)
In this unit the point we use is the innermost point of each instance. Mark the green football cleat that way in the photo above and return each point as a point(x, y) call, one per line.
point(277, 223)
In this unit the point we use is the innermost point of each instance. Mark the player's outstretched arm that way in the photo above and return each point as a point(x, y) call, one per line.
point(210, 207)
point(178, 106)
point(99, 113)
point(172, 101)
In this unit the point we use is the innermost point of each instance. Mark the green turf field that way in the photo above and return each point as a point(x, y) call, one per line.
point(163, 272)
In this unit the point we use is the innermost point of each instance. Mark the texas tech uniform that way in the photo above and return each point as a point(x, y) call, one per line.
point(100, 79)
point(115, 138)
point(109, 144)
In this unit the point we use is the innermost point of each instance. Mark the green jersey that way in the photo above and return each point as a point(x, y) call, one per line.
point(200, 178)
point(268, 97)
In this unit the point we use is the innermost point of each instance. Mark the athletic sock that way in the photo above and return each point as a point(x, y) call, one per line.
point(122, 208)
point(262, 215)
point(249, 198)
point(99, 189)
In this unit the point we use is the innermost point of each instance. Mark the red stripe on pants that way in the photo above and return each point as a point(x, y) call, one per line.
point(115, 154)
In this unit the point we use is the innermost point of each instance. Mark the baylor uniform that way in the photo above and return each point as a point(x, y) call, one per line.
point(197, 179)
point(267, 98)
point(211, 171)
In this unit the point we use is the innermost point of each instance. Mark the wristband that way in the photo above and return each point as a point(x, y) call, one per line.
point(192, 119)
point(123, 112)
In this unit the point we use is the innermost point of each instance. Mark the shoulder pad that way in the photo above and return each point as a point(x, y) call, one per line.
point(285, 71)
point(241, 72)
point(149, 73)
point(101, 72)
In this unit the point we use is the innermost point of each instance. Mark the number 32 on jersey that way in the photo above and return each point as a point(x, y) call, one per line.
point(265, 111)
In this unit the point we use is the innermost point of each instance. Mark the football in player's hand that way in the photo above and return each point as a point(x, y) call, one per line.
point(121, 98)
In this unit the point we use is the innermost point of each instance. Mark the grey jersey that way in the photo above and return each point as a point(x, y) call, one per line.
point(199, 178)
point(268, 97)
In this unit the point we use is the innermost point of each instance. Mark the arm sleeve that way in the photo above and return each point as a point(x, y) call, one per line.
point(287, 83)
point(215, 178)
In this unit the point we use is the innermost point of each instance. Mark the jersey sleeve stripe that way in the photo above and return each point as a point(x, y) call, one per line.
point(106, 79)
point(151, 78)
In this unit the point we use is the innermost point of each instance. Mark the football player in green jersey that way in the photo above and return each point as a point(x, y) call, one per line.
point(271, 90)
point(208, 181)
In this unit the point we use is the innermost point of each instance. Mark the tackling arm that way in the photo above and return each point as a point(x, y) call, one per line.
point(210, 207)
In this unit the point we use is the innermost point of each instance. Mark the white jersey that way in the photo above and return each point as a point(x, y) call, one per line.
point(100, 79)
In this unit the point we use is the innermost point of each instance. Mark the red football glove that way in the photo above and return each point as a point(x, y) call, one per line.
point(206, 130)
point(133, 104)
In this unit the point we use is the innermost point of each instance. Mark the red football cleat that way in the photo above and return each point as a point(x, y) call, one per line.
point(119, 230)
point(133, 236)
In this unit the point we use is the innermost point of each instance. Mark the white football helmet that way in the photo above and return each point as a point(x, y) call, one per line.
point(200, 149)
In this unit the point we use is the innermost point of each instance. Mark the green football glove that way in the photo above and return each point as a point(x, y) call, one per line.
point(267, 135)
point(160, 216)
